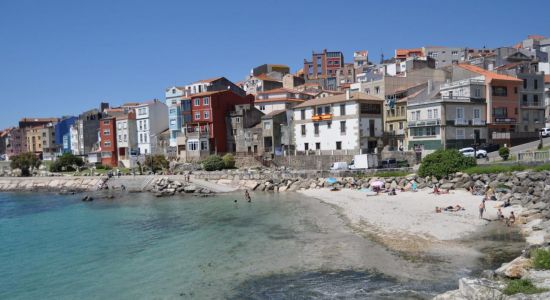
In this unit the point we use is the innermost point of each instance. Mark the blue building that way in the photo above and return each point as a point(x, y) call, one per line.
point(63, 134)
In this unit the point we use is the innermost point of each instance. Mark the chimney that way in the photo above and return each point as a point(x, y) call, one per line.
point(348, 94)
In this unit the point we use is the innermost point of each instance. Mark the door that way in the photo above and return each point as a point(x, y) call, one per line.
point(255, 148)
point(371, 128)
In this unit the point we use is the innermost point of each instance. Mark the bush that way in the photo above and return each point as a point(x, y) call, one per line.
point(213, 163)
point(102, 167)
point(229, 161)
point(504, 152)
point(523, 286)
point(156, 163)
point(66, 162)
point(26, 162)
point(444, 162)
point(541, 259)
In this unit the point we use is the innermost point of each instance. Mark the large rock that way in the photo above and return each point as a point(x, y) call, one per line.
point(447, 186)
point(190, 189)
point(542, 296)
point(514, 269)
point(480, 289)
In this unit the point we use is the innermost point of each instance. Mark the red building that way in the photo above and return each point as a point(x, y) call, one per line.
point(206, 132)
point(108, 146)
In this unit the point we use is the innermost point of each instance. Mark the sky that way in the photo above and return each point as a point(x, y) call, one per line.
point(64, 57)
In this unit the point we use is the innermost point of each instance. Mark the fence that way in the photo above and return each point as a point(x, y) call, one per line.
point(528, 156)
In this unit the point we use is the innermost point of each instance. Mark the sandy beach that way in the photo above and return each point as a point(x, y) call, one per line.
point(407, 221)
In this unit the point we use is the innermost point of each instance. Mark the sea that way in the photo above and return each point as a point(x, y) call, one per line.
point(279, 246)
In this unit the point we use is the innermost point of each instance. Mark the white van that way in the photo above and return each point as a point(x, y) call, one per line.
point(545, 132)
point(340, 165)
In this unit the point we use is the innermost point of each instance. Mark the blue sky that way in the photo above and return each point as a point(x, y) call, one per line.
point(63, 57)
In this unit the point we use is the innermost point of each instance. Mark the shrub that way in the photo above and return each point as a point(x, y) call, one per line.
point(229, 161)
point(444, 162)
point(26, 162)
point(213, 163)
point(504, 152)
point(523, 286)
point(66, 162)
point(541, 259)
point(156, 162)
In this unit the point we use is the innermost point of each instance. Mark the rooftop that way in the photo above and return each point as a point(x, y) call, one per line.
point(209, 80)
point(488, 74)
point(357, 96)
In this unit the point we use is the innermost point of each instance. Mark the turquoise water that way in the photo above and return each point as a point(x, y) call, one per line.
point(141, 247)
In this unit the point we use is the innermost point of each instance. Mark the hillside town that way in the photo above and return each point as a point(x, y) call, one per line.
point(419, 100)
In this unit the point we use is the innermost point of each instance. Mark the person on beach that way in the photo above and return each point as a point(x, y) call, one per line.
point(511, 219)
point(500, 216)
point(413, 186)
point(247, 196)
point(437, 209)
point(436, 190)
point(123, 187)
point(392, 192)
point(481, 209)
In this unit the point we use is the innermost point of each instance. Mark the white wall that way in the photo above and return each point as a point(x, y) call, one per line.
point(270, 106)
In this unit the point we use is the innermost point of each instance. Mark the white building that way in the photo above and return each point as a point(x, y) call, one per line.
point(75, 146)
point(127, 146)
point(179, 111)
point(347, 123)
point(279, 99)
point(151, 119)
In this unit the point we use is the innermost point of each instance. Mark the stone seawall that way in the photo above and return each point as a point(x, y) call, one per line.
point(49, 184)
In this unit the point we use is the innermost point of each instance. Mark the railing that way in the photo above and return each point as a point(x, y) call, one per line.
point(321, 117)
point(460, 122)
point(429, 122)
point(534, 156)
point(505, 120)
point(478, 122)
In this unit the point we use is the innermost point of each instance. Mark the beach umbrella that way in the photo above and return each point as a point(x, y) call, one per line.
point(377, 183)
point(331, 180)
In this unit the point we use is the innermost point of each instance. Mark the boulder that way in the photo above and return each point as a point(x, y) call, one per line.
point(447, 186)
point(514, 269)
point(481, 289)
point(190, 188)
point(540, 278)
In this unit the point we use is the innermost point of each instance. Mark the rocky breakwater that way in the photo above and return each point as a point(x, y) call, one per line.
point(165, 186)
point(50, 184)
point(531, 191)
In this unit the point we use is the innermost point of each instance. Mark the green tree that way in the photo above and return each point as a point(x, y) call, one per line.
point(504, 152)
point(213, 163)
point(228, 161)
point(66, 162)
point(156, 163)
point(444, 162)
point(26, 162)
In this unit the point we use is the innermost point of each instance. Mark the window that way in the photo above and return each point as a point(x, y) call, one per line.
point(536, 84)
point(267, 125)
point(377, 90)
point(197, 115)
point(204, 145)
point(107, 132)
point(193, 145)
point(120, 138)
point(238, 120)
point(430, 116)
point(262, 107)
point(317, 146)
point(327, 110)
point(524, 99)
point(316, 128)
point(460, 134)
point(477, 93)
point(524, 84)
point(536, 100)
point(306, 146)
point(329, 124)
point(460, 112)
point(107, 144)
point(206, 114)
point(436, 113)
point(197, 102)
point(500, 91)
point(338, 145)
point(303, 129)
point(413, 114)
point(106, 122)
point(417, 115)
point(342, 109)
point(367, 108)
point(342, 126)
point(205, 101)
point(477, 113)
point(303, 114)
point(500, 112)
point(515, 90)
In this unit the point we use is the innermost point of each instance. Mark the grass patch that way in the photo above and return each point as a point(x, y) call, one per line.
point(541, 259)
point(545, 167)
point(523, 286)
point(490, 169)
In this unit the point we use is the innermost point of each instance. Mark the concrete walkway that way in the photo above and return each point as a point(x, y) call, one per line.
point(519, 148)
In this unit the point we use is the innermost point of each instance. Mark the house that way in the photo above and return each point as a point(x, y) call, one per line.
point(41, 140)
point(270, 68)
point(323, 68)
point(278, 99)
point(347, 123)
point(291, 81)
point(151, 119)
point(62, 133)
point(86, 129)
point(547, 99)
point(502, 96)
point(255, 84)
point(245, 130)
point(275, 133)
point(127, 145)
point(108, 141)
point(452, 117)
point(206, 133)
point(213, 84)
point(14, 140)
point(179, 111)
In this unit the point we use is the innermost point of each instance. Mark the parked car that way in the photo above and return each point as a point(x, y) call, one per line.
point(389, 163)
point(340, 165)
point(489, 147)
point(469, 151)
point(2, 156)
point(363, 161)
point(545, 132)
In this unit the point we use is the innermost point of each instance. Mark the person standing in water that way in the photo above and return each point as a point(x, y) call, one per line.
point(247, 196)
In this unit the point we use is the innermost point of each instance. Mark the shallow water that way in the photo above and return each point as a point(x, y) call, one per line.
point(280, 246)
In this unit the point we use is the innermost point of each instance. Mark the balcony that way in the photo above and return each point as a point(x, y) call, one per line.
point(192, 133)
point(478, 122)
point(532, 104)
point(503, 120)
point(427, 122)
point(461, 122)
point(322, 117)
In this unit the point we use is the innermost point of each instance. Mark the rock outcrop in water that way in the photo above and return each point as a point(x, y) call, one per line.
point(168, 187)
